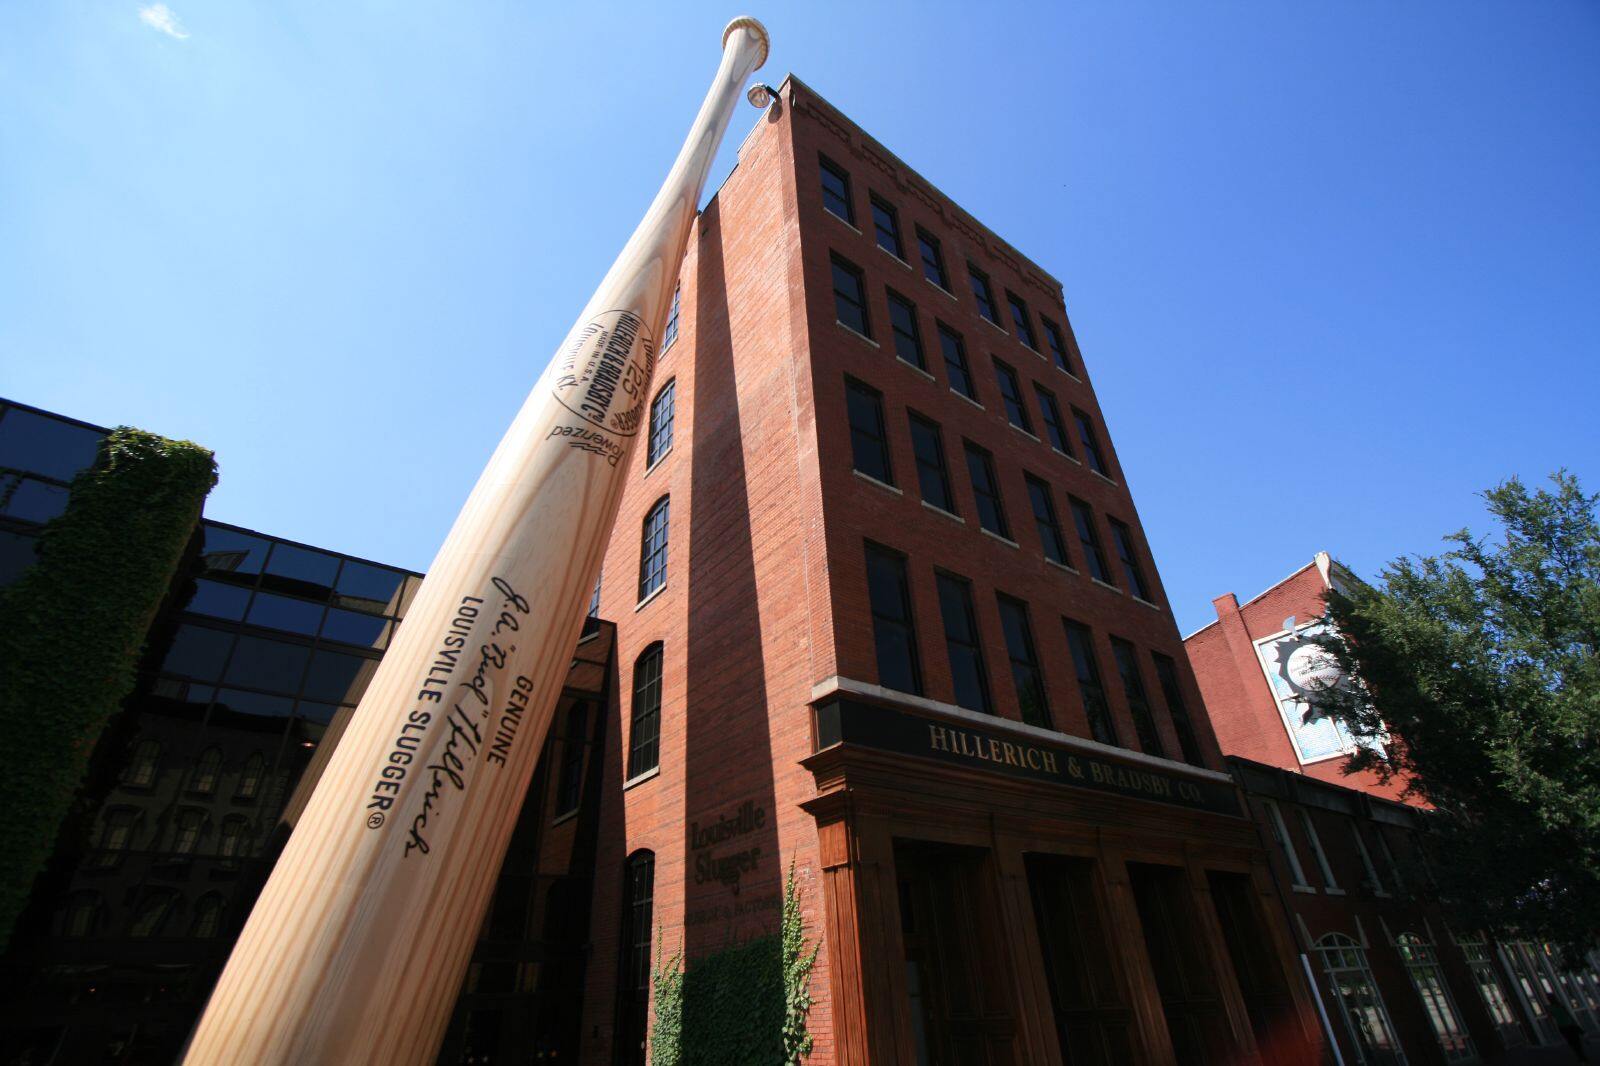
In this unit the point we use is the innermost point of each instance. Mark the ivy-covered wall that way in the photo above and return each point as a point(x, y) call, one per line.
point(745, 1005)
point(72, 628)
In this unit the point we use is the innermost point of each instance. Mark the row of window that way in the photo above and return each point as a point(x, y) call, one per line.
point(1371, 880)
point(837, 199)
point(83, 915)
point(851, 310)
point(119, 825)
point(899, 661)
point(870, 454)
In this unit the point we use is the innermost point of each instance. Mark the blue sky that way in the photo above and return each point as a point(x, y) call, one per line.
point(1334, 267)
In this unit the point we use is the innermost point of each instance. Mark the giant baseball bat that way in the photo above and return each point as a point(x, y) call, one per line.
point(358, 945)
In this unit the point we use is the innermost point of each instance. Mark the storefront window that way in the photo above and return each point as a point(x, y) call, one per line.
point(1428, 979)
point(1356, 993)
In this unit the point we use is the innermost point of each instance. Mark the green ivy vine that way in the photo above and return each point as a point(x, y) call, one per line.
point(72, 628)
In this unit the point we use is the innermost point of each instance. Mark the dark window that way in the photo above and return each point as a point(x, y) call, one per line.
point(257, 704)
point(955, 361)
point(1056, 343)
point(1093, 692)
point(232, 556)
point(337, 677)
point(1182, 724)
point(42, 444)
point(1025, 672)
point(1144, 720)
point(869, 443)
point(653, 549)
point(633, 960)
point(1083, 518)
point(1091, 443)
point(1054, 431)
point(967, 674)
point(1011, 394)
point(1122, 541)
point(670, 334)
point(574, 744)
point(353, 627)
point(662, 409)
point(1044, 520)
point(31, 500)
point(892, 630)
point(932, 474)
point(907, 334)
point(267, 664)
point(1019, 316)
point(887, 225)
point(986, 487)
point(850, 297)
point(286, 613)
point(982, 293)
point(18, 551)
point(644, 735)
point(218, 600)
point(836, 191)
point(301, 570)
point(594, 598)
point(363, 587)
point(932, 259)
point(198, 652)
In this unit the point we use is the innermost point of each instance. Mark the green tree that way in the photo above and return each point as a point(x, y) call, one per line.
point(1479, 671)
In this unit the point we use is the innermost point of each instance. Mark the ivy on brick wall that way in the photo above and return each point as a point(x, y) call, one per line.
point(72, 628)
point(741, 1006)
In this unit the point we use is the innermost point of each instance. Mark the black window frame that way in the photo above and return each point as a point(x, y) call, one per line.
point(670, 334)
point(663, 410)
point(838, 264)
point(956, 613)
point(1091, 683)
point(1047, 525)
point(1010, 384)
point(1128, 555)
point(959, 369)
point(1177, 708)
point(1056, 341)
point(653, 547)
point(932, 253)
point(1140, 709)
point(877, 204)
point(1094, 556)
point(903, 619)
point(1019, 318)
point(1027, 676)
point(631, 1025)
point(1055, 430)
point(989, 491)
point(644, 712)
point(574, 750)
point(935, 467)
point(1089, 438)
point(845, 196)
point(867, 442)
point(983, 295)
point(897, 334)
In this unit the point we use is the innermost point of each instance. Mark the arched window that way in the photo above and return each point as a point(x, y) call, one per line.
point(1366, 1019)
point(207, 916)
point(151, 917)
point(250, 778)
point(644, 735)
point(653, 550)
point(1428, 979)
point(235, 839)
point(82, 915)
point(186, 831)
point(117, 826)
point(662, 409)
point(633, 957)
point(206, 770)
point(141, 769)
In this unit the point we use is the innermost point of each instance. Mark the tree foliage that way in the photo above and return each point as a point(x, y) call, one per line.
point(1480, 667)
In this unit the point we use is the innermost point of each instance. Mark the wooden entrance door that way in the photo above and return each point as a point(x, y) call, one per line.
point(1186, 975)
point(958, 971)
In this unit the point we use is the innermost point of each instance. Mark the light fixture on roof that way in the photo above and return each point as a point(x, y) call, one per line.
point(761, 94)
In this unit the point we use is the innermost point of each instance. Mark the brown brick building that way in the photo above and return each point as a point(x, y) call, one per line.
point(885, 612)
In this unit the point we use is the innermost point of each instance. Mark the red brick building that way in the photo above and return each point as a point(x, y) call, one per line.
point(1396, 980)
point(885, 612)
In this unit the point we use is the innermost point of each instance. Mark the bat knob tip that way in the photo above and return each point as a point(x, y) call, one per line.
point(763, 41)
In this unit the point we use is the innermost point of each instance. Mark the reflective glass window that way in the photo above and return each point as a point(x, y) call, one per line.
point(1026, 674)
point(907, 334)
point(229, 552)
point(1087, 667)
point(18, 551)
point(869, 443)
point(321, 713)
point(351, 627)
point(31, 501)
point(1058, 346)
point(886, 225)
point(850, 297)
point(337, 677)
point(1019, 317)
point(1144, 719)
point(1089, 538)
point(932, 259)
point(306, 572)
point(1011, 395)
point(1054, 431)
point(1045, 523)
point(218, 600)
point(286, 613)
point(259, 662)
point(962, 644)
point(955, 362)
point(198, 652)
point(364, 587)
point(644, 733)
point(258, 704)
point(889, 593)
point(986, 491)
point(836, 190)
point(928, 445)
point(39, 444)
point(982, 293)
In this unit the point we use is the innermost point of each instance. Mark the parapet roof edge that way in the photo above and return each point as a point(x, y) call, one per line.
point(879, 146)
